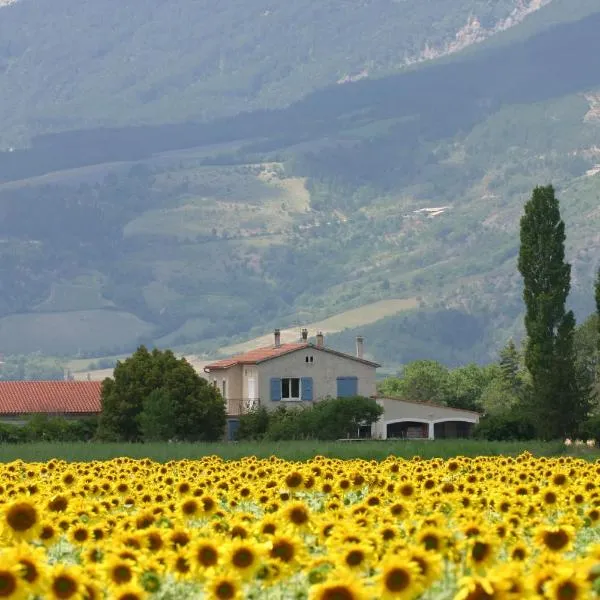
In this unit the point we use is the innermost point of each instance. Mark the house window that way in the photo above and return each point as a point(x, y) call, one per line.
point(290, 388)
point(309, 359)
point(224, 388)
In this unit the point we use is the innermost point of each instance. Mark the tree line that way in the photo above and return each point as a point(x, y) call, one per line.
point(547, 388)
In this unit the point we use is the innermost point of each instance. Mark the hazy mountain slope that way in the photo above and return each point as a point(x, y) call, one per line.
point(70, 63)
point(205, 245)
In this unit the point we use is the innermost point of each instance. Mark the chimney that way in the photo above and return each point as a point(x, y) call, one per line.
point(360, 346)
point(277, 335)
point(305, 335)
point(320, 340)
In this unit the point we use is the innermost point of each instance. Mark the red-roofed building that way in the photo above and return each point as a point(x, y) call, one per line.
point(300, 373)
point(20, 399)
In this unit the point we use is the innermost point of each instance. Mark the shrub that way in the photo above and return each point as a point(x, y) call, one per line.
point(329, 419)
point(253, 425)
point(505, 426)
point(590, 429)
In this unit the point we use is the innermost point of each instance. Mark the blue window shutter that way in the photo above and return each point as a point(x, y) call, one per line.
point(275, 389)
point(307, 388)
point(347, 387)
point(234, 425)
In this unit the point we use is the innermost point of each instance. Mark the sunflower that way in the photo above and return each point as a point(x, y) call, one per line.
point(399, 578)
point(286, 550)
point(429, 563)
point(47, 533)
point(555, 538)
point(12, 585)
point(224, 587)
point(297, 514)
point(205, 554)
point(431, 538)
point(354, 556)
point(66, 582)
point(131, 591)
point(119, 571)
point(480, 552)
point(568, 583)
point(20, 519)
point(32, 562)
point(339, 586)
point(243, 558)
point(476, 588)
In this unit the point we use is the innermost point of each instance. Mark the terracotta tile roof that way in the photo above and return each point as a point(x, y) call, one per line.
point(58, 397)
point(259, 355)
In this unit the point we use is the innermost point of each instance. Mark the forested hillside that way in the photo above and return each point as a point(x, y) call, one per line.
point(194, 234)
point(66, 64)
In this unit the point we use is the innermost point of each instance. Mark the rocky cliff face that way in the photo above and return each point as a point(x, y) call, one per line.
point(473, 32)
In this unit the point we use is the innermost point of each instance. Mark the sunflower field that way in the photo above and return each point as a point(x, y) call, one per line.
point(324, 529)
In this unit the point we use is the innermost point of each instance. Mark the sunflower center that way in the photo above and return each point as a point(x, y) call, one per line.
point(207, 556)
point(8, 584)
point(397, 579)
point(182, 565)
point(338, 592)
point(21, 516)
point(566, 591)
point(243, 558)
point(122, 574)
point(225, 590)
point(64, 586)
point(282, 550)
point(480, 551)
point(299, 516)
point(30, 571)
point(190, 507)
point(431, 542)
point(354, 558)
point(556, 540)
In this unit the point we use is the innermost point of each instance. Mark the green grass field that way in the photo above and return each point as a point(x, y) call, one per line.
point(370, 450)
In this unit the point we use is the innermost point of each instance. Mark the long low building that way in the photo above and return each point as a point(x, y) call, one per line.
point(422, 420)
point(19, 400)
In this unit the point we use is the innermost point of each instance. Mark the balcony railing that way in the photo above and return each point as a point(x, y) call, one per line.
point(241, 406)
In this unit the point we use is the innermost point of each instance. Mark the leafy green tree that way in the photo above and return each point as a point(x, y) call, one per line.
point(466, 385)
point(597, 299)
point(194, 409)
point(557, 406)
point(510, 364)
point(421, 381)
point(155, 420)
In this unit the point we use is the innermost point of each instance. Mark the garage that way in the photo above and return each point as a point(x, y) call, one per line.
point(404, 419)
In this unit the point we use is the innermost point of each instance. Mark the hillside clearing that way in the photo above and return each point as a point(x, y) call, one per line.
point(356, 317)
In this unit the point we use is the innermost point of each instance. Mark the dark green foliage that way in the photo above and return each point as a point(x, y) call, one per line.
point(165, 62)
point(254, 424)
point(590, 429)
point(506, 426)
point(597, 300)
point(510, 364)
point(430, 381)
point(42, 428)
point(557, 406)
point(156, 419)
point(148, 381)
point(329, 419)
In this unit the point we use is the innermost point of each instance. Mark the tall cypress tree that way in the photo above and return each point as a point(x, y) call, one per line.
point(557, 405)
point(597, 298)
